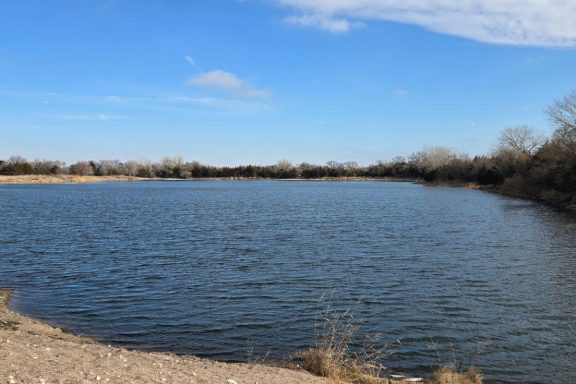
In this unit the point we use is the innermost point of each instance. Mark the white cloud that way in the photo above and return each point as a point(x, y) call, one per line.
point(515, 22)
point(323, 22)
point(217, 79)
point(229, 82)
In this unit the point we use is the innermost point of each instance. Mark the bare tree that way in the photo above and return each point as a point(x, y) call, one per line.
point(432, 157)
point(351, 167)
point(333, 164)
point(47, 167)
point(109, 168)
point(17, 160)
point(284, 165)
point(562, 113)
point(131, 168)
point(522, 140)
point(397, 160)
point(82, 168)
point(146, 169)
point(171, 166)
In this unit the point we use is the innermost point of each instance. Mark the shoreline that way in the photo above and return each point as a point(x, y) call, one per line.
point(63, 179)
point(500, 190)
point(33, 352)
point(75, 179)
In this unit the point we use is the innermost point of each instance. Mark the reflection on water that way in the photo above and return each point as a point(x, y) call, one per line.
point(218, 268)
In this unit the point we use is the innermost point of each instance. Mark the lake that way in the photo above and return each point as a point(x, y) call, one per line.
point(234, 270)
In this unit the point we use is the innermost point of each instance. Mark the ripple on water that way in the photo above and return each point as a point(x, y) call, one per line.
point(223, 268)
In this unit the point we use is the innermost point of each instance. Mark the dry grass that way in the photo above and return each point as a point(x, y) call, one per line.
point(60, 179)
point(325, 363)
point(447, 375)
point(333, 357)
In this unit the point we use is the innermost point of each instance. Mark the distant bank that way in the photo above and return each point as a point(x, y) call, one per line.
point(63, 179)
point(550, 197)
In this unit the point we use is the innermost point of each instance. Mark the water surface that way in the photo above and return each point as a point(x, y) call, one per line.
point(234, 269)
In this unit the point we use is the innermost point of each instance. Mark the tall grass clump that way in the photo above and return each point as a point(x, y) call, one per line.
point(447, 375)
point(334, 357)
point(339, 356)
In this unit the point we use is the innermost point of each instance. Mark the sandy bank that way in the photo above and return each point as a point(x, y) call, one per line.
point(33, 352)
point(62, 179)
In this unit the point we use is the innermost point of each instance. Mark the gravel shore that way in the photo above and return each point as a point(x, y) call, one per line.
point(33, 352)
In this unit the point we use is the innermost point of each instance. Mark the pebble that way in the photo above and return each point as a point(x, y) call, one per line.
point(230, 381)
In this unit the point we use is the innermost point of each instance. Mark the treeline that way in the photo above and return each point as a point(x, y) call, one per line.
point(525, 163)
point(176, 168)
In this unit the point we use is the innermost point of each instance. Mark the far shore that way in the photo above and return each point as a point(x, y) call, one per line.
point(76, 179)
point(64, 179)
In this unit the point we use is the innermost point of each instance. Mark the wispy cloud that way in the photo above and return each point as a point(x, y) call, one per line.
point(99, 117)
point(193, 62)
point(113, 99)
point(514, 22)
point(192, 100)
point(229, 82)
point(74, 107)
point(327, 23)
point(229, 104)
point(400, 92)
point(190, 60)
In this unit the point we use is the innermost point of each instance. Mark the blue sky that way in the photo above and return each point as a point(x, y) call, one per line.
point(232, 82)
